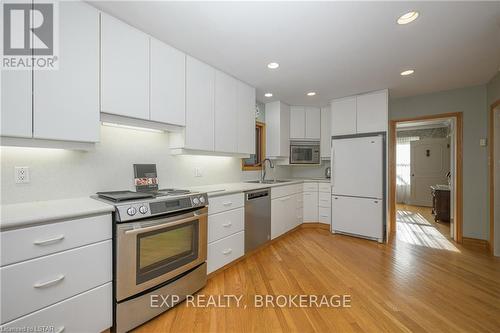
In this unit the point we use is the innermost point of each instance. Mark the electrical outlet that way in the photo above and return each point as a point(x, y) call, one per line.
point(22, 175)
point(197, 172)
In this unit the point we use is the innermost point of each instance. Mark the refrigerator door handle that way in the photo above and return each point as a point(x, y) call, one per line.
point(332, 173)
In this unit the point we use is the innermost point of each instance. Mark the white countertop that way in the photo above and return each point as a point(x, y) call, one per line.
point(38, 212)
point(231, 188)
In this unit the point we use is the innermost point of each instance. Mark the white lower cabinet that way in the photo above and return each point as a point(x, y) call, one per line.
point(90, 311)
point(324, 215)
point(285, 214)
point(31, 285)
point(225, 250)
point(226, 223)
point(324, 203)
point(310, 206)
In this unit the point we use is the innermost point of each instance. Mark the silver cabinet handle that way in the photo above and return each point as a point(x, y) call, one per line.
point(228, 203)
point(61, 329)
point(227, 225)
point(227, 251)
point(49, 283)
point(49, 241)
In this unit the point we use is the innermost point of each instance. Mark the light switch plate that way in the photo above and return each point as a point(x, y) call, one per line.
point(22, 175)
point(483, 142)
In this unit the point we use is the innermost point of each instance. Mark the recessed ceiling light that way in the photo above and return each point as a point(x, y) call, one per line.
point(407, 72)
point(311, 93)
point(408, 17)
point(273, 65)
point(268, 95)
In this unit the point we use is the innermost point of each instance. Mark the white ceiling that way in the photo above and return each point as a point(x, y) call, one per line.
point(334, 48)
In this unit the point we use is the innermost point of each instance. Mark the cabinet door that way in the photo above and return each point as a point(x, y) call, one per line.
point(246, 119)
point(372, 112)
point(277, 218)
point(313, 123)
point(310, 206)
point(226, 113)
point(124, 69)
point(16, 115)
point(326, 134)
point(66, 101)
point(168, 84)
point(343, 117)
point(200, 82)
point(297, 122)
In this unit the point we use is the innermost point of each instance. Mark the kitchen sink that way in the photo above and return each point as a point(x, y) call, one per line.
point(267, 181)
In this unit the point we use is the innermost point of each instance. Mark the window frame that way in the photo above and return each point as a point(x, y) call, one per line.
point(261, 148)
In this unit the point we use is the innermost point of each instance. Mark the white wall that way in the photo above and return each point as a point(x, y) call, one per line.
point(309, 171)
point(59, 173)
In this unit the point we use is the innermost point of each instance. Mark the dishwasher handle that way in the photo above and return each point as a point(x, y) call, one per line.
point(257, 194)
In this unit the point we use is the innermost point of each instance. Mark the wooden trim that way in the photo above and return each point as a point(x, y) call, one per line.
point(272, 241)
point(458, 216)
point(262, 150)
point(491, 173)
point(482, 244)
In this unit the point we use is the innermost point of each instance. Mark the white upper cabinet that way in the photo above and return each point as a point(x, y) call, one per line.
point(168, 84)
point(365, 113)
point(297, 122)
point(226, 113)
point(16, 115)
point(200, 86)
point(312, 123)
point(277, 130)
point(343, 116)
point(326, 134)
point(246, 118)
point(305, 123)
point(372, 112)
point(66, 101)
point(124, 69)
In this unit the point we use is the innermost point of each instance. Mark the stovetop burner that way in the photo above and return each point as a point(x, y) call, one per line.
point(121, 196)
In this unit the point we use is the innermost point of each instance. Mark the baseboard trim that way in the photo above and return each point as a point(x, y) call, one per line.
point(476, 242)
point(314, 225)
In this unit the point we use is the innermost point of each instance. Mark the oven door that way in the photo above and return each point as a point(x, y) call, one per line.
point(152, 251)
point(304, 154)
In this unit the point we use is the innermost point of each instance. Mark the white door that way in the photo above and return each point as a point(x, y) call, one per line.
point(16, 113)
point(310, 206)
point(200, 85)
point(372, 112)
point(278, 217)
point(168, 84)
point(66, 101)
point(313, 123)
point(124, 69)
point(357, 216)
point(343, 120)
point(326, 134)
point(429, 164)
point(357, 167)
point(297, 122)
point(226, 113)
point(246, 119)
point(496, 189)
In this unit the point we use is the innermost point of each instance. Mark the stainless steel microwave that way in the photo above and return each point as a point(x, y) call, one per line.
point(305, 152)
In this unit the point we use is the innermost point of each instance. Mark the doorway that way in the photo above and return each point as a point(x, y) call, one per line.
point(494, 169)
point(425, 161)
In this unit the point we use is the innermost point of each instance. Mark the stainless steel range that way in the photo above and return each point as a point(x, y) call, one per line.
point(160, 249)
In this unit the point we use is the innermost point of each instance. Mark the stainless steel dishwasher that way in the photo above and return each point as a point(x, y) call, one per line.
point(257, 218)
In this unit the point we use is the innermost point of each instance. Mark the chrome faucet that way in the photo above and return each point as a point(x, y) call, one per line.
point(263, 170)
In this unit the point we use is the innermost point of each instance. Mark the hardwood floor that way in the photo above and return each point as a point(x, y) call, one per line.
point(400, 287)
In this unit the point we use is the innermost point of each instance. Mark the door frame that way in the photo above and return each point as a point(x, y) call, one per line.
point(458, 216)
point(491, 173)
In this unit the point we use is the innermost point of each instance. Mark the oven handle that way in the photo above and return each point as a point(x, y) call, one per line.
point(163, 225)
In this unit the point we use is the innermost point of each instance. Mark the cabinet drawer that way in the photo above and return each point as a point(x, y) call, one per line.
point(90, 311)
point(226, 223)
point(310, 187)
point(325, 200)
point(28, 243)
point(283, 191)
point(325, 187)
point(223, 251)
point(226, 202)
point(37, 283)
point(324, 214)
